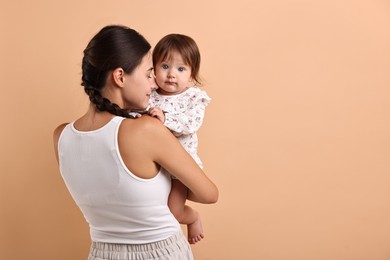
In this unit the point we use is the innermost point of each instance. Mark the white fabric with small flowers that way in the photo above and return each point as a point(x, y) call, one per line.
point(184, 117)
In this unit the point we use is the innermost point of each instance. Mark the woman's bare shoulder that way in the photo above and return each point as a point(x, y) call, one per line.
point(58, 130)
point(145, 125)
point(146, 133)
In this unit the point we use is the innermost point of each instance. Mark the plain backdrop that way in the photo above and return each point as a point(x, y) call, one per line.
point(297, 136)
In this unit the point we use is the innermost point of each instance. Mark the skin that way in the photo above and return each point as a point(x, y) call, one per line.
point(173, 76)
point(145, 143)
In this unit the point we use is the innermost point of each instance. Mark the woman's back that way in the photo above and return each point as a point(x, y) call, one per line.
point(119, 206)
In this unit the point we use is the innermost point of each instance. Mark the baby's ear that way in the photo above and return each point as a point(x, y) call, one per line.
point(191, 80)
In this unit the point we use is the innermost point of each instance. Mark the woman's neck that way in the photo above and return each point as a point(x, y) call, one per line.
point(93, 119)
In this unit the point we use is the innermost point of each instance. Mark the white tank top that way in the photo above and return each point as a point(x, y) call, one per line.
point(119, 206)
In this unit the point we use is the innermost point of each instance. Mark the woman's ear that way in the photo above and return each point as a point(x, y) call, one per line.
point(118, 76)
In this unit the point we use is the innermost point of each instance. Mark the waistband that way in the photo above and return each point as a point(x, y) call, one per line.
point(175, 245)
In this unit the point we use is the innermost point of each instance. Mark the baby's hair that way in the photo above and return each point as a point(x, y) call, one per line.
point(185, 46)
point(114, 46)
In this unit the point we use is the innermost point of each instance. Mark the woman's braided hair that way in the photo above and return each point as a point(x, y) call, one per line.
point(113, 47)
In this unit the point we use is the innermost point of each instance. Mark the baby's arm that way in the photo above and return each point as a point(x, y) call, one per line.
point(187, 122)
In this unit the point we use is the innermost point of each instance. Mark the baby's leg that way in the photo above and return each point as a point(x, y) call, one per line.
point(183, 213)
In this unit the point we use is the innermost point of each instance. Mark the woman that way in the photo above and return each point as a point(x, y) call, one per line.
point(111, 163)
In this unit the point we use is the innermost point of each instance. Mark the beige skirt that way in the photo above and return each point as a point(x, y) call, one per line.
point(172, 248)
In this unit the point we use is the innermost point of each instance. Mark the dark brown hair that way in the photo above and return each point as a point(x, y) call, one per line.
point(185, 46)
point(114, 46)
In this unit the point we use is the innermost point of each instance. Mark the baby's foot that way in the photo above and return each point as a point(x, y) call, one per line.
point(195, 232)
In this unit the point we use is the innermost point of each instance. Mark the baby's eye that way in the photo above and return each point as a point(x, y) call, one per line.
point(181, 69)
point(164, 66)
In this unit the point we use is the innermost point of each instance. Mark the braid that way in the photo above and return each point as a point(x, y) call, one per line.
point(104, 104)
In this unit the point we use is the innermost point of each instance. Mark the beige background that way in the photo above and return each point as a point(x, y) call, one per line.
point(297, 137)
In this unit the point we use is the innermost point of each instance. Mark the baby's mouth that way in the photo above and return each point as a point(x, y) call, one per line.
point(171, 83)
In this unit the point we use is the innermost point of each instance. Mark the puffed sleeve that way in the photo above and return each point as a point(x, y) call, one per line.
point(189, 115)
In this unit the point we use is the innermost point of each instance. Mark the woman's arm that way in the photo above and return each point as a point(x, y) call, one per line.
point(145, 144)
point(164, 149)
point(175, 159)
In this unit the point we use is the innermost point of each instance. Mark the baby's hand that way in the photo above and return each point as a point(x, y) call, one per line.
point(158, 113)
